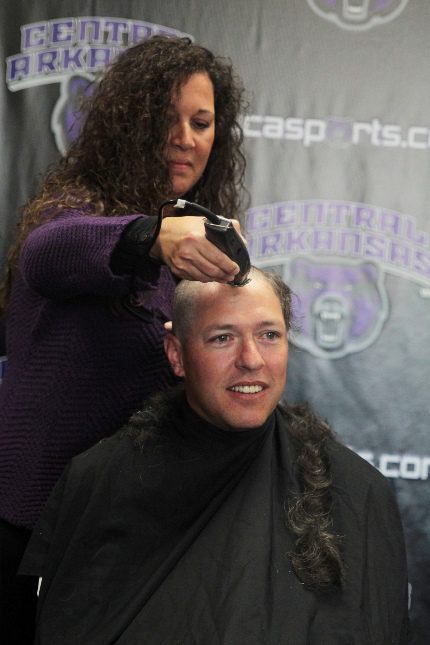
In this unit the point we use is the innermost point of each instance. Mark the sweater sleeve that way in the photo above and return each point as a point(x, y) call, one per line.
point(71, 255)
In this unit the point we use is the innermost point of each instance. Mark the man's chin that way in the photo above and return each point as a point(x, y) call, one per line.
point(236, 425)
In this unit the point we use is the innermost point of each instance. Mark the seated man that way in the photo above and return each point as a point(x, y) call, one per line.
point(218, 516)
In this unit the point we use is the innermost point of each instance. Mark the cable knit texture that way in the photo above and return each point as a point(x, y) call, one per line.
point(79, 363)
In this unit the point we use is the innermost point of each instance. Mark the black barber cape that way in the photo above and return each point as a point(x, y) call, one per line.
point(185, 542)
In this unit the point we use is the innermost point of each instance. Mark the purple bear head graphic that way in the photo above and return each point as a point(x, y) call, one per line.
point(341, 305)
point(67, 115)
point(358, 14)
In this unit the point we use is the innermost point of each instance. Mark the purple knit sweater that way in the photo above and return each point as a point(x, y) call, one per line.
point(79, 363)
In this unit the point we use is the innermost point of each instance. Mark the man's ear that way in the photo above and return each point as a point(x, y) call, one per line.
point(173, 349)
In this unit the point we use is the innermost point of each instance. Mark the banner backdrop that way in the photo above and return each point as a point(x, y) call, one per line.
point(338, 150)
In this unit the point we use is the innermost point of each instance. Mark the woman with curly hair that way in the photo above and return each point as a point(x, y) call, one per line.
point(91, 275)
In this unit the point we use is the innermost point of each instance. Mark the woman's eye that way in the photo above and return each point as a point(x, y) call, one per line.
point(201, 125)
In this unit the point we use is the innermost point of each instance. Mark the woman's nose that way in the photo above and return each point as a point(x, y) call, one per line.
point(181, 135)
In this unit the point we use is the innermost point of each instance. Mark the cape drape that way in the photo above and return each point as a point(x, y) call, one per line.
point(186, 542)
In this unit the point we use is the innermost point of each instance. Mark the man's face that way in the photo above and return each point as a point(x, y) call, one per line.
point(234, 359)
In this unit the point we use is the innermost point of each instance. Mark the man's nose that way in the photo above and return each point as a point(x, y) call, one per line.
point(181, 135)
point(249, 356)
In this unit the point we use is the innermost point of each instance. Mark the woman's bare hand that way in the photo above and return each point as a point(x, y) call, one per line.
point(183, 247)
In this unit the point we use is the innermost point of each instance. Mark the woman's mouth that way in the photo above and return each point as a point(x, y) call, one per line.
point(179, 165)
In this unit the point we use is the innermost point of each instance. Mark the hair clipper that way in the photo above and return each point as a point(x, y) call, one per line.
point(221, 232)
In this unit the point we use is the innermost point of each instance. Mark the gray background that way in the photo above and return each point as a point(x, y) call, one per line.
point(308, 60)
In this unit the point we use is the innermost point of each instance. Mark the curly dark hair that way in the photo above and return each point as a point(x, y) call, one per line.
point(317, 556)
point(117, 164)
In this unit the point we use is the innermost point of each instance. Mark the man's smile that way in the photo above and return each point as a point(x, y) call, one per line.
point(246, 389)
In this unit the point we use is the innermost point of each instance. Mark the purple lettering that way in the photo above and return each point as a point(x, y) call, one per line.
point(285, 214)
point(258, 219)
point(390, 222)
point(338, 213)
point(73, 59)
point(413, 235)
point(349, 242)
point(296, 240)
point(400, 254)
point(46, 61)
point(34, 36)
point(313, 213)
point(270, 244)
point(374, 247)
point(117, 30)
point(99, 57)
point(89, 30)
point(18, 67)
point(140, 31)
point(365, 217)
point(322, 240)
point(62, 32)
point(422, 263)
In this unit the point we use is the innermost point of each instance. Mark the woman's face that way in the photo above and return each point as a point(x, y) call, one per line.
point(192, 134)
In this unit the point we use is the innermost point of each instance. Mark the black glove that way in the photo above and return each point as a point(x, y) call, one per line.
point(134, 245)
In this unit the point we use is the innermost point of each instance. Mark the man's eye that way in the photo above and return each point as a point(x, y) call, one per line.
point(271, 335)
point(221, 339)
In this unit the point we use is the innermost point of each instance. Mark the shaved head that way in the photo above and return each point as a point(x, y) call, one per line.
point(190, 295)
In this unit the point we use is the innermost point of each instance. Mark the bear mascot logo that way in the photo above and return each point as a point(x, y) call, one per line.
point(341, 305)
point(66, 119)
point(358, 14)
